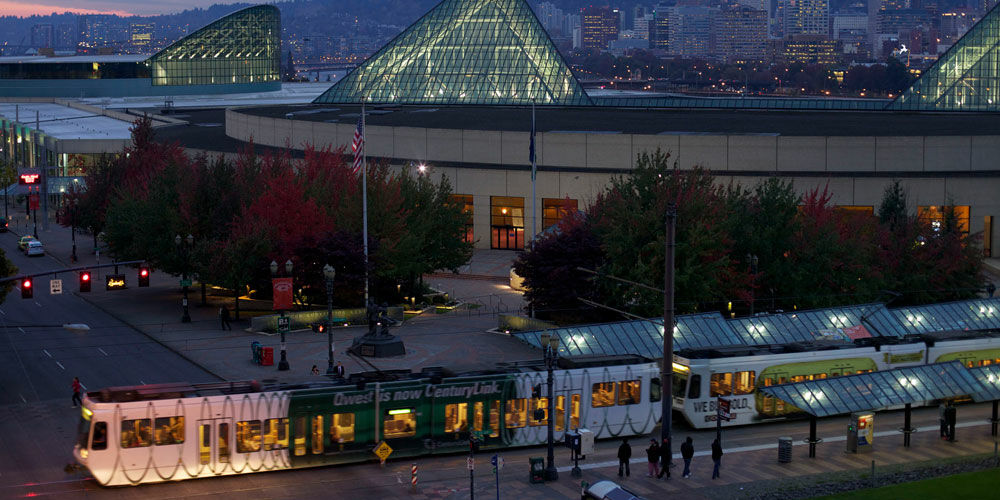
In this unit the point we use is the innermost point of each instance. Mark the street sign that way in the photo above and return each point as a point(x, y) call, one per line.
point(382, 451)
point(185, 282)
point(115, 282)
point(470, 463)
point(722, 405)
point(284, 324)
point(55, 287)
point(496, 461)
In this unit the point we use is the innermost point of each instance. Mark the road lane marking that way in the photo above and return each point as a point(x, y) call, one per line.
point(20, 329)
point(46, 353)
point(1, 312)
point(37, 304)
point(60, 365)
point(102, 351)
point(142, 383)
point(84, 387)
point(22, 398)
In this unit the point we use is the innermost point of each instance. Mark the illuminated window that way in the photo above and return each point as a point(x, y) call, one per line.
point(169, 430)
point(136, 433)
point(868, 210)
point(516, 414)
point(456, 417)
point(317, 434)
point(400, 423)
point(574, 411)
point(554, 209)
point(602, 394)
point(204, 444)
point(629, 392)
point(100, 436)
point(247, 436)
point(744, 382)
point(494, 418)
point(539, 404)
point(721, 384)
point(507, 222)
point(935, 216)
point(300, 436)
point(465, 201)
point(223, 443)
point(275, 433)
point(341, 427)
point(560, 413)
point(478, 416)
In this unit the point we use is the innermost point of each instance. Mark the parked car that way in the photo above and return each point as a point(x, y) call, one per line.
point(22, 243)
point(34, 248)
point(609, 490)
point(4, 224)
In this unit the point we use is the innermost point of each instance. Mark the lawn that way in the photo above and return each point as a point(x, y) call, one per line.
point(981, 484)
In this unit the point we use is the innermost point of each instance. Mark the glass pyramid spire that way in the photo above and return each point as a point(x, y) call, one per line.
point(965, 78)
point(465, 52)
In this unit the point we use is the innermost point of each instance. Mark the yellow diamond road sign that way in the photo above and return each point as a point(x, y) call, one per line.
point(382, 451)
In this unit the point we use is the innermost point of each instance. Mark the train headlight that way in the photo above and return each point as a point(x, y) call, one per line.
point(83, 453)
point(87, 413)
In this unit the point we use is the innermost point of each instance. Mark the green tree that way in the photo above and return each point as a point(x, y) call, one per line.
point(892, 209)
point(7, 269)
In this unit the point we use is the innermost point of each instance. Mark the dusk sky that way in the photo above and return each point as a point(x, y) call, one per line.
point(122, 7)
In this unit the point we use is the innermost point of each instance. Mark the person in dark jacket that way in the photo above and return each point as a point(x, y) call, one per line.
point(687, 453)
point(624, 454)
point(716, 457)
point(951, 416)
point(653, 458)
point(664, 459)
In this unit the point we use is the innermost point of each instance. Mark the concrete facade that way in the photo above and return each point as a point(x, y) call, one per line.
point(937, 170)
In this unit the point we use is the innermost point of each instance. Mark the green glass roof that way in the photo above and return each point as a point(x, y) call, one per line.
point(883, 389)
point(465, 52)
point(965, 78)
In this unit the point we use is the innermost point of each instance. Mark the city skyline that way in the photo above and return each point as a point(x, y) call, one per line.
point(119, 7)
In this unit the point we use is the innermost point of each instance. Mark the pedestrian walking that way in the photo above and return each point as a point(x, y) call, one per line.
point(951, 416)
point(339, 369)
point(77, 390)
point(716, 457)
point(665, 459)
point(653, 458)
point(624, 454)
point(315, 370)
point(944, 423)
point(224, 318)
point(687, 453)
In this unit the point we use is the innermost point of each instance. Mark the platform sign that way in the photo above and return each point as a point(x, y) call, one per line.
point(382, 451)
point(722, 405)
point(55, 287)
point(185, 282)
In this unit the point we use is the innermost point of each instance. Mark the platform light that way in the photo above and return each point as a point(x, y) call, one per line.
point(401, 411)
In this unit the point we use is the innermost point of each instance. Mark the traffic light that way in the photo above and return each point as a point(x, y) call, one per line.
point(27, 288)
point(319, 327)
point(84, 281)
point(143, 275)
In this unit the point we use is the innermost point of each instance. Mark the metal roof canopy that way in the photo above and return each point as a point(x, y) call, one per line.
point(806, 326)
point(974, 314)
point(882, 389)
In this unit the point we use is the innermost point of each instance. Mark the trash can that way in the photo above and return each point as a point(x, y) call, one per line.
point(255, 351)
point(537, 470)
point(784, 450)
point(267, 359)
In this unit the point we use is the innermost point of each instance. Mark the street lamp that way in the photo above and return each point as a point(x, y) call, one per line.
point(283, 364)
point(329, 273)
point(550, 350)
point(184, 251)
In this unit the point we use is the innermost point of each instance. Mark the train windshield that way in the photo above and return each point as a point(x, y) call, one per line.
point(83, 429)
point(680, 380)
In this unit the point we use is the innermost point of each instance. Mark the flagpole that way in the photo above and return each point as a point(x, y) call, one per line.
point(364, 195)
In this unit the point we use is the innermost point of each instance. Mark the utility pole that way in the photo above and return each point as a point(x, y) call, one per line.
point(667, 369)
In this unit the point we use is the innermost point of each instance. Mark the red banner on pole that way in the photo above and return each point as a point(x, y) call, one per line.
point(282, 290)
point(33, 201)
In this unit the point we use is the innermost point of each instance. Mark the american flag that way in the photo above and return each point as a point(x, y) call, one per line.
point(358, 145)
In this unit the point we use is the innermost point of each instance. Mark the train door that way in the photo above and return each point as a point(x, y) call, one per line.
point(215, 441)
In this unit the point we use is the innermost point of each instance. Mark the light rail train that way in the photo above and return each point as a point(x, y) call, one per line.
point(169, 432)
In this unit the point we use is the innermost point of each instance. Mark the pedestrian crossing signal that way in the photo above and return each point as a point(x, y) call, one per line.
point(85, 281)
point(27, 288)
point(143, 276)
point(319, 327)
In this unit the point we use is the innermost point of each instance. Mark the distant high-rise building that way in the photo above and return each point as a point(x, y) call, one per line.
point(690, 31)
point(65, 36)
point(42, 35)
point(806, 17)
point(741, 34)
point(553, 18)
point(140, 35)
point(810, 49)
point(599, 26)
point(764, 5)
point(659, 28)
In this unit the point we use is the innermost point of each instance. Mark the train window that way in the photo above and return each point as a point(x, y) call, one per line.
point(560, 412)
point(494, 418)
point(721, 384)
point(679, 382)
point(797, 378)
point(399, 423)
point(602, 394)
point(342, 428)
point(478, 416)
point(317, 435)
point(629, 392)
point(205, 444)
point(655, 389)
point(223, 442)
point(517, 413)
point(694, 391)
point(300, 436)
point(574, 411)
point(100, 436)
point(744, 382)
point(247, 436)
point(136, 433)
point(456, 417)
point(539, 404)
point(169, 430)
point(276, 433)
